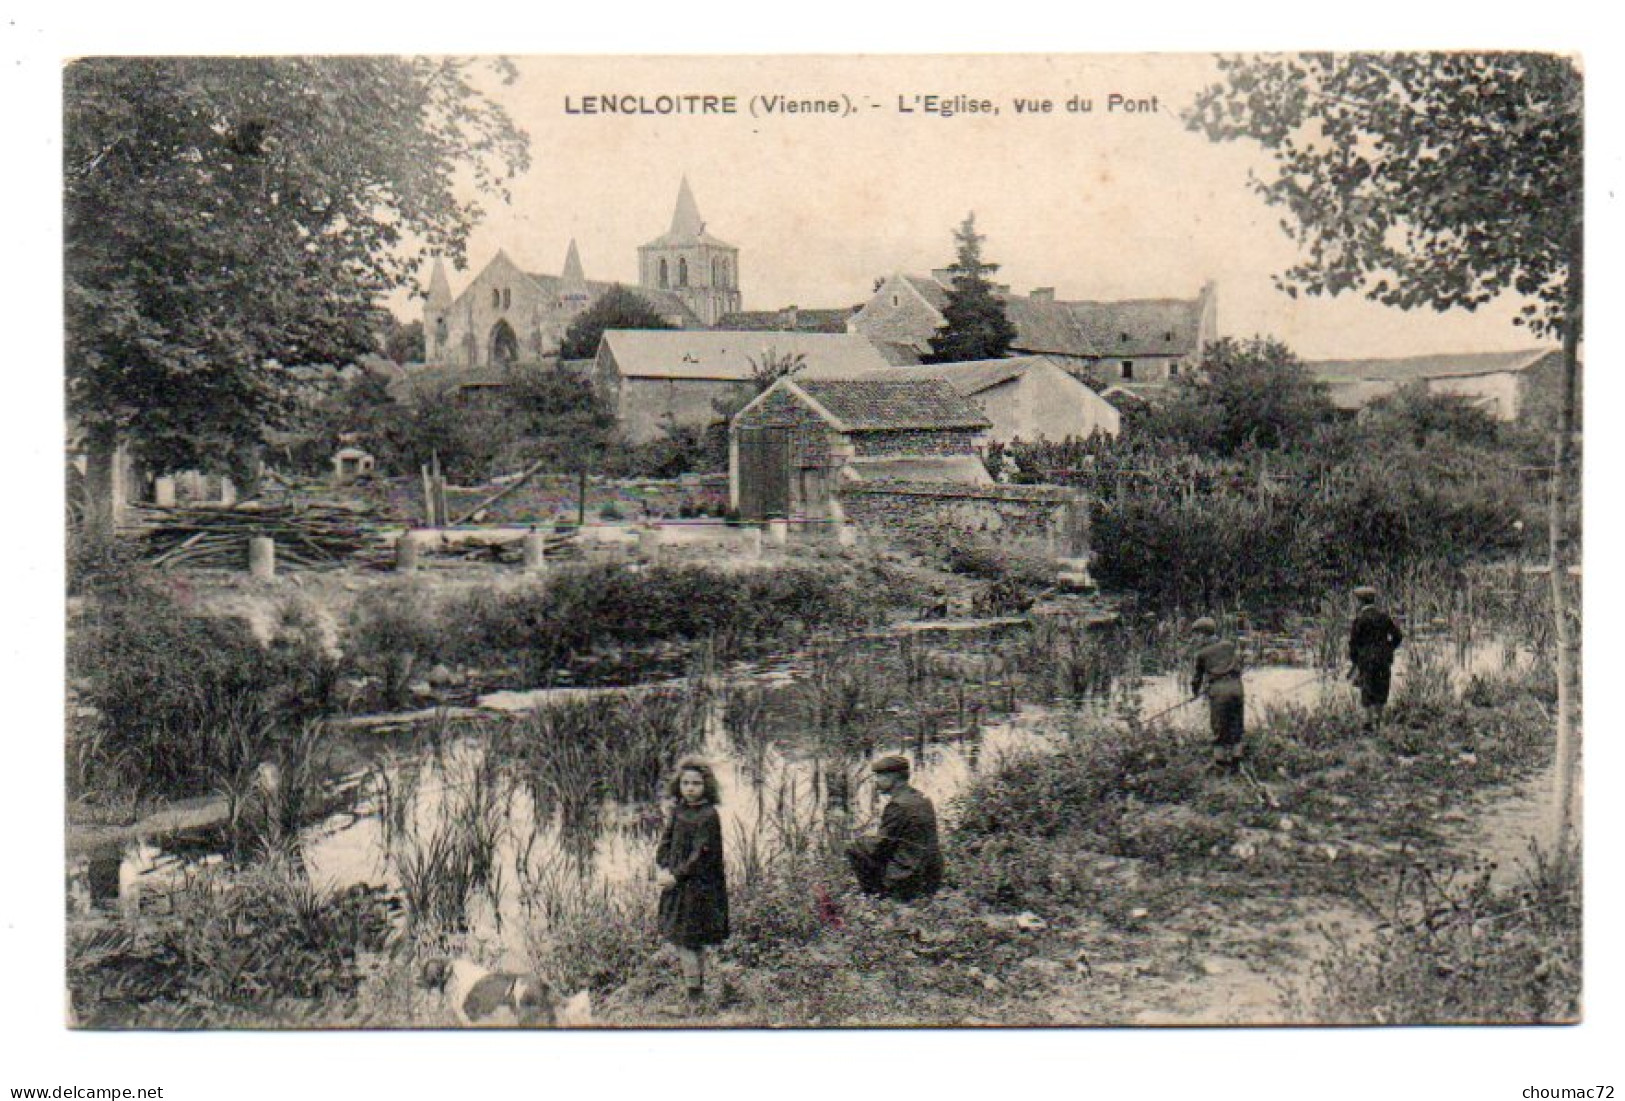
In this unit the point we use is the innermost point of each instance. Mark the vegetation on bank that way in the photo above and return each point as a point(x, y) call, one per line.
point(1188, 511)
point(1082, 877)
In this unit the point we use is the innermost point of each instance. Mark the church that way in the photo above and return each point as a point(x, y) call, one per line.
point(506, 315)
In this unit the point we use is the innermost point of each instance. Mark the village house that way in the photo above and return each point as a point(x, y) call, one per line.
point(1510, 386)
point(1026, 398)
point(653, 378)
point(1135, 342)
point(506, 315)
point(792, 447)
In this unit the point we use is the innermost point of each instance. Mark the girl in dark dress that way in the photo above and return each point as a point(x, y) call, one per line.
point(694, 886)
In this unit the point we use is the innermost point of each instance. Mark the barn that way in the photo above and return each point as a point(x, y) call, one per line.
point(792, 448)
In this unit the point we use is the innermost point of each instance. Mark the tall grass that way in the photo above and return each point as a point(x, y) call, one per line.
point(1449, 949)
point(444, 825)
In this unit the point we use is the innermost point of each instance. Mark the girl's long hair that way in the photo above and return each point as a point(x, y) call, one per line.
point(713, 793)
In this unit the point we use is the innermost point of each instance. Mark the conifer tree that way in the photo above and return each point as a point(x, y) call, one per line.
point(974, 322)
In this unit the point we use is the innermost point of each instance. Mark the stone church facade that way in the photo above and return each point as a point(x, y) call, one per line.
point(507, 315)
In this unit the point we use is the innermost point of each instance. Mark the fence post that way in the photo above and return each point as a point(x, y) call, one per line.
point(406, 552)
point(535, 551)
point(262, 558)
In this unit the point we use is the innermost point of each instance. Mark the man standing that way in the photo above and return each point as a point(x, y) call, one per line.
point(1372, 641)
point(1218, 673)
point(904, 859)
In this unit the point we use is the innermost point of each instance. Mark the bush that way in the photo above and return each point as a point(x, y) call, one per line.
point(240, 947)
point(184, 702)
point(395, 631)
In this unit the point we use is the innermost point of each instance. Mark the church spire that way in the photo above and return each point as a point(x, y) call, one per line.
point(686, 220)
point(573, 274)
point(439, 287)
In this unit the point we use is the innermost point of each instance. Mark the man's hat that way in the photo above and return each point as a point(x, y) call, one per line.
point(1205, 624)
point(1366, 592)
point(890, 764)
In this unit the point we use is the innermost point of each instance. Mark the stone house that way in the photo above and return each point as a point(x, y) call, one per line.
point(1027, 398)
point(654, 378)
point(791, 449)
point(1511, 386)
point(1138, 342)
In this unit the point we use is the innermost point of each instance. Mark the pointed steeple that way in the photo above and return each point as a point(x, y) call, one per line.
point(439, 287)
point(686, 220)
point(573, 275)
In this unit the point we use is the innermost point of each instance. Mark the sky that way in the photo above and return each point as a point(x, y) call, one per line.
point(1104, 204)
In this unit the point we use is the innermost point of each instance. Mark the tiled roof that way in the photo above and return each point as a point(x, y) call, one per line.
point(932, 291)
point(1153, 326)
point(1417, 368)
point(1096, 330)
point(868, 405)
point(807, 321)
point(720, 354)
point(968, 378)
point(898, 355)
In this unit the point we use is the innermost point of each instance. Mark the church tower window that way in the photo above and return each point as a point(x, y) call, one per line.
point(665, 275)
point(507, 297)
point(682, 271)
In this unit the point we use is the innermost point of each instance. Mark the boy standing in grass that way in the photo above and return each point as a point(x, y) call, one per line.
point(1373, 638)
point(1218, 673)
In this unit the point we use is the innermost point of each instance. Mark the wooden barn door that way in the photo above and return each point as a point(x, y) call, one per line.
point(764, 472)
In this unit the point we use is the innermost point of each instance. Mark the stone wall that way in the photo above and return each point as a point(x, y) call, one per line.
point(916, 442)
point(918, 509)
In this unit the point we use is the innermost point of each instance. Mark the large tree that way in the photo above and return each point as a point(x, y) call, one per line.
point(1248, 393)
point(974, 324)
point(1440, 180)
point(229, 217)
point(616, 308)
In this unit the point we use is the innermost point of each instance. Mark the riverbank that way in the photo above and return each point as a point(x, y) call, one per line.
point(1101, 876)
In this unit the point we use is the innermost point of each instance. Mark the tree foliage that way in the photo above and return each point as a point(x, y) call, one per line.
point(1440, 180)
point(616, 308)
point(402, 341)
point(227, 217)
point(1423, 179)
point(1246, 393)
point(974, 322)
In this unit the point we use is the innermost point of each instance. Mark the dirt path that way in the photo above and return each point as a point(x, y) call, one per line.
point(1237, 985)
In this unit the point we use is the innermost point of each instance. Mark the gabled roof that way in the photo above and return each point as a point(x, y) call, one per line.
point(807, 321)
point(1419, 368)
point(1089, 329)
point(971, 377)
point(929, 289)
point(870, 405)
point(734, 356)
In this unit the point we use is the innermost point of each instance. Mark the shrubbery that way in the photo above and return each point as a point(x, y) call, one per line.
point(186, 703)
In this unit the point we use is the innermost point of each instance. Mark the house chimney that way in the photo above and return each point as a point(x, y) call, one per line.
point(1042, 294)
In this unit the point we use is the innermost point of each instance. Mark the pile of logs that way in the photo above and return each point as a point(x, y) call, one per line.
point(311, 536)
